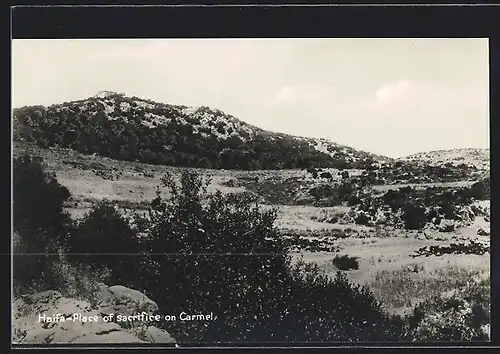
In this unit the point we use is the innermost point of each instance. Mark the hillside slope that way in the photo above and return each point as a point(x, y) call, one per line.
point(135, 129)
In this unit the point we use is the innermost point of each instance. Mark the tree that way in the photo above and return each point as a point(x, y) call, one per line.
point(70, 137)
point(223, 254)
point(40, 223)
point(38, 201)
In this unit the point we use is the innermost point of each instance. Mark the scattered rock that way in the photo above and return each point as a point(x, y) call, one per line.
point(482, 232)
point(446, 226)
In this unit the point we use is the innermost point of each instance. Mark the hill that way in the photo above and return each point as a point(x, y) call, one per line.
point(480, 158)
point(135, 129)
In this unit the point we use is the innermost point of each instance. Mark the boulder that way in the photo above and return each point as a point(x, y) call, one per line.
point(126, 301)
point(447, 225)
point(49, 317)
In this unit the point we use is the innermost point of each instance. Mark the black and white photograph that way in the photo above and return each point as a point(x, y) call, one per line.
point(224, 192)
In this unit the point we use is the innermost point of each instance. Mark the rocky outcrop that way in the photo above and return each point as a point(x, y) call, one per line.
point(49, 317)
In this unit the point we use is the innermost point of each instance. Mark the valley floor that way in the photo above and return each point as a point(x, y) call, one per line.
point(384, 254)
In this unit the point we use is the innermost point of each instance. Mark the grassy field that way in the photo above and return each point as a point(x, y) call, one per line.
point(383, 254)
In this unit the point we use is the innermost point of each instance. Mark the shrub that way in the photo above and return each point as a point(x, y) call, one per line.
point(345, 262)
point(223, 254)
point(461, 316)
point(40, 223)
point(362, 219)
point(326, 309)
point(481, 190)
point(414, 217)
point(34, 271)
point(56, 273)
point(103, 239)
point(38, 203)
point(228, 249)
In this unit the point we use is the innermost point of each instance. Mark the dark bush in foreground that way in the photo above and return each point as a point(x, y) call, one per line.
point(38, 202)
point(463, 316)
point(40, 223)
point(226, 256)
point(103, 239)
point(345, 262)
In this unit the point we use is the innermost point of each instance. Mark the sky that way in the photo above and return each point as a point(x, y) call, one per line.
point(393, 97)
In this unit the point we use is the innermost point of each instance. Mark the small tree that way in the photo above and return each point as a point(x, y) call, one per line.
point(223, 254)
point(40, 223)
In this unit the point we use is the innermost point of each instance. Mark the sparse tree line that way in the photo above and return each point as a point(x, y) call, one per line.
point(416, 208)
point(412, 208)
point(200, 252)
point(86, 127)
point(401, 173)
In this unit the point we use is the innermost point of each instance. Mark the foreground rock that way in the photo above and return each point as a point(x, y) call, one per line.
point(48, 317)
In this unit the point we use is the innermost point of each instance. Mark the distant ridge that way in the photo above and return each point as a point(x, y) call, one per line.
point(480, 158)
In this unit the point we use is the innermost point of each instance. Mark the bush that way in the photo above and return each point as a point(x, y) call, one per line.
point(40, 223)
point(326, 309)
point(38, 203)
point(220, 249)
point(414, 217)
point(481, 190)
point(362, 219)
point(345, 262)
point(55, 272)
point(34, 271)
point(461, 316)
point(224, 255)
point(103, 239)
point(41, 231)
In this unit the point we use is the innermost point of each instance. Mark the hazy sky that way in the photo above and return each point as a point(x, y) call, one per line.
point(388, 96)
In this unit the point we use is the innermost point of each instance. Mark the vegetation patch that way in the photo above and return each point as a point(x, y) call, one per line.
point(346, 262)
point(473, 247)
